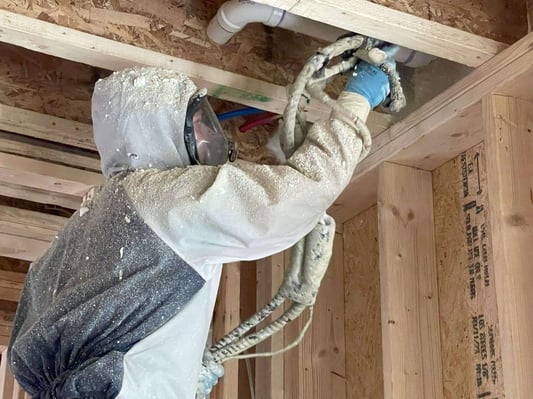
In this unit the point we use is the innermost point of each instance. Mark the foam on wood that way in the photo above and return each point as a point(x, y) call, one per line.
point(364, 363)
point(470, 335)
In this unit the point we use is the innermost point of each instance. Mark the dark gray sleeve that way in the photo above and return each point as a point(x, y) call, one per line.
point(107, 282)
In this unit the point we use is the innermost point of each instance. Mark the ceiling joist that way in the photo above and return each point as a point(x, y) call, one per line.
point(397, 27)
point(47, 176)
point(73, 45)
point(40, 196)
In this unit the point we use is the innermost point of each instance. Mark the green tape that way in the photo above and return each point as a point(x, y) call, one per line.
point(231, 92)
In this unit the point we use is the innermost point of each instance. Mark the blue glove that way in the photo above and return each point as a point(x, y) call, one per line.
point(370, 82)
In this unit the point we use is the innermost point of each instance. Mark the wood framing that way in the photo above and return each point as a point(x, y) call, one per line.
point(40, 196)
point(412, 366)
point(269, 370)
point(226, 318)
point(11, 285)
point(509, 139)
point(47, 176)
point(428, 293)
point(21, 247)
point(396, 27)
point(27, 147)
point(439, 130)
point(6, 327)
point(70, 44)
point(6, 378)
point(46, 127)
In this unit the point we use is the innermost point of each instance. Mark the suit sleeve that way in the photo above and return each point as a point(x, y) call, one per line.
point(243, 211)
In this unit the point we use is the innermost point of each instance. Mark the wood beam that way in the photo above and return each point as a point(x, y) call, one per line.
point(70, 44)
point(396, 27)
point(226, 318)
point(316, 369)
point(38, 195)
point(21, 247)
point(7, 380)
point(509, 124)
point(46, 176)
point(11, 285)
point(46, 127)
point(6, 327)
point(412, 366)
point(27, 147)
point(422, 139)
point(269, 370)
point(29, 224)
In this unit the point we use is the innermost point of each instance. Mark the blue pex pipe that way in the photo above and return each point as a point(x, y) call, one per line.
point(238, 112)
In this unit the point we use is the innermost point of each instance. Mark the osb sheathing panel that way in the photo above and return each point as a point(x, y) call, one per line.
point(57, 87)
point(502, 20)
point(470, 337)
point(46, 84)
point(179, 29)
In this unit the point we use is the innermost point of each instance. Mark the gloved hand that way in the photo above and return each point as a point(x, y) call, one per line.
point(368, 86)
point(370, 82)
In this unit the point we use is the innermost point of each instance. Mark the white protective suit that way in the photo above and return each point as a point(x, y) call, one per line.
point(211, 215)
point(197, 218)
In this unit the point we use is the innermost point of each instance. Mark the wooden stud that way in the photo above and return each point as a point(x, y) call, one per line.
point(509, 144)
point(395, 27)
point(364, 363)
point(409, 296)
point(47, 176)
point(248, 290)
point(226, 318)
point(328, 366)
point(269, 370)
point(6, 378)
point(316, 367)
point(18, 392)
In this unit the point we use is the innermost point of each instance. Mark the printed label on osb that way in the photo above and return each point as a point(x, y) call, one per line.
point(480, 277)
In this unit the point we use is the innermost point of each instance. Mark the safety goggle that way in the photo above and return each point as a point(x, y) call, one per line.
point(204, 137)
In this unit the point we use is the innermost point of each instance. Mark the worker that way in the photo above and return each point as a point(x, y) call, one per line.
point(121, 303)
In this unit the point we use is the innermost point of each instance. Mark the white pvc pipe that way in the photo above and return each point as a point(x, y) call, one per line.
point(234, 15)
